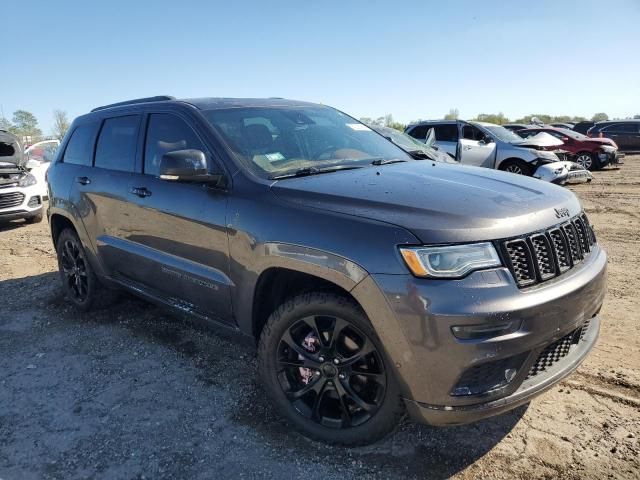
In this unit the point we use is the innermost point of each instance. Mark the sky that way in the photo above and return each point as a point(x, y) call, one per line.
point(412, 59)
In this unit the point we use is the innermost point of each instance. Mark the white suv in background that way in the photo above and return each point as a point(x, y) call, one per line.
point(487, 145)
point(21, 191)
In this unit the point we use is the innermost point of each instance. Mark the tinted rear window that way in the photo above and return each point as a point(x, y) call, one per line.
point(79, 150)
point(116, 149)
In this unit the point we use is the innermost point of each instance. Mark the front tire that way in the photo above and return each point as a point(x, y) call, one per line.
point(79, 281)
point(324, 369)
point(588, 160)
point(519, 167)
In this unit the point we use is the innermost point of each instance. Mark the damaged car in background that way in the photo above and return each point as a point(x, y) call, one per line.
point(492, 146)
point(20, 192)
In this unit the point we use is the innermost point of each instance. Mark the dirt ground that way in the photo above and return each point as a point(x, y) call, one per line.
point(134, 392)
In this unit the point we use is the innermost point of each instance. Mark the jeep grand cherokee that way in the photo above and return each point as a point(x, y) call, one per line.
point(373, 283)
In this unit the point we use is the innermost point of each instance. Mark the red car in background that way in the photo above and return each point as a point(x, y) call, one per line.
point(591, 153)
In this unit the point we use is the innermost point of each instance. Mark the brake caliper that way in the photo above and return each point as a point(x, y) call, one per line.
point(310, 344)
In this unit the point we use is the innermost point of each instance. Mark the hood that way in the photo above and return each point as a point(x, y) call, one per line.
point(542, 139)
point(601, 141)
point(437, 202)
point(10, 150)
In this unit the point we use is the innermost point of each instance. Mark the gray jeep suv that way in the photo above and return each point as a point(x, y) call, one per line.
point(373, 283)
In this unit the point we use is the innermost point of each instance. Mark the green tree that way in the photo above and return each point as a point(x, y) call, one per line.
point(600, 117)
point(5, 124)
point(453, 114)
point(60, 123)
point(25, 124)
point(497, 118)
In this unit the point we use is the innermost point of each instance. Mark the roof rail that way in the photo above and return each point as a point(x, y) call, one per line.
point(157, 98)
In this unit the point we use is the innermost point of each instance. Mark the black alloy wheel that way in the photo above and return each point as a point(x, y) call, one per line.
point(73, 266)
point(330, 371)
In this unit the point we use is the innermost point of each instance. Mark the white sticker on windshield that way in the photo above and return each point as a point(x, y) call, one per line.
point(358, 127)
point(274, 157)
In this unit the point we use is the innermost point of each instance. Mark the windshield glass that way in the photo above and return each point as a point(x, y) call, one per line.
point(404, 141)
point(572, 134)
point(503, 134)
point(276, 141)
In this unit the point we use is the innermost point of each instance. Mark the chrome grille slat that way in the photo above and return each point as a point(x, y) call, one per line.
point(544, 255)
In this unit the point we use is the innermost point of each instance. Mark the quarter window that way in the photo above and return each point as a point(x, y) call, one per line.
point(116, 149)
point(79, 150)
point(167, 133)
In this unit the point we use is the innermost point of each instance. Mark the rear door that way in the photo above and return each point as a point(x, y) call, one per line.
point(446, 137)
point(177, 237)
point(475, 148)
point(106, 192)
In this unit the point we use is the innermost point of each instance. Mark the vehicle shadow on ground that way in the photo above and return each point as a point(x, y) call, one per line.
point(227, 360)
point(8, 225)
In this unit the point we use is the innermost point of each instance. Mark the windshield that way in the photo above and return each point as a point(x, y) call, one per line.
point(276, 141)
point(572, 134)
point(503, 134)
point(404, 141)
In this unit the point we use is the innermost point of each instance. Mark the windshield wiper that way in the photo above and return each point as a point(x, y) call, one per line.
point(380, 161)
point(306, 171)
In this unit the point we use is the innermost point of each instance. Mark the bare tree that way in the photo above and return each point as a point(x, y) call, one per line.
point(60, 123)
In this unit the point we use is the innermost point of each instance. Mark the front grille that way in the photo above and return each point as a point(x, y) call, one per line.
point(13, 199)
point(559, 349)
point(544, 255)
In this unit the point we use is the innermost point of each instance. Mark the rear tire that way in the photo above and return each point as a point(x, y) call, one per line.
point(79, 281)
point(328, 398)
point(519, 167)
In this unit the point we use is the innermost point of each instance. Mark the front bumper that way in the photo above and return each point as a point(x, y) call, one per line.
point(20, 202)
point(611, 158)
point(415, 319)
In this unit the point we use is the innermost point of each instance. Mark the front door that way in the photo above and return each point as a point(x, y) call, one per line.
point(476, 148)
point(177, 231)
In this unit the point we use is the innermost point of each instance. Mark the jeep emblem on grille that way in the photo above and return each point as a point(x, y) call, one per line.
point(562, 212)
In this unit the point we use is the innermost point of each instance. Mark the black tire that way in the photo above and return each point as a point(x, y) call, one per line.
point(519, 167)
point(588, 160)
point(35, 219)
point(333, 389)
point(79, 281)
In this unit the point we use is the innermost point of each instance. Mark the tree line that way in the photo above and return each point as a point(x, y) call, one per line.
point(497, 118)
point(25, 124)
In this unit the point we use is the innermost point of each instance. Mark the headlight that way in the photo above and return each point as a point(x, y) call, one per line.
point(608, 148)
point(454, 261)
point(27, 180)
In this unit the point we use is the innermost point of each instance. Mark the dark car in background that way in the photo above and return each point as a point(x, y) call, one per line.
point(590, 153)
point(373, 283)
point(583, 127)
point(626, 133)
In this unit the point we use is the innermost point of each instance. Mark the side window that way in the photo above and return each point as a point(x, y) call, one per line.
point(447, 132)
point(621, 128)
point(116, 149)
point(469, 132)
point(79, 150)
point(419, 132)
point(167, 133)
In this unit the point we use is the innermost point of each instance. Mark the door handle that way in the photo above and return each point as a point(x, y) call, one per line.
point(142, 192)
point(83, 180)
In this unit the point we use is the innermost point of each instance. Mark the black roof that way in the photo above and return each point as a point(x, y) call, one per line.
point(210, 103)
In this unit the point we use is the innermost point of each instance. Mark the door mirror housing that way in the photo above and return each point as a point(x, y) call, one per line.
point(186, 166)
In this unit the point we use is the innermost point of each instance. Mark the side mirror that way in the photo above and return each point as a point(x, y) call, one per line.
point(184, 166)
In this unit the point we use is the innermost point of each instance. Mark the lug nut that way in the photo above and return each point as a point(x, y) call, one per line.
point(336, 361)
point(321, 359)
point(341, 376)
point(317, 373)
